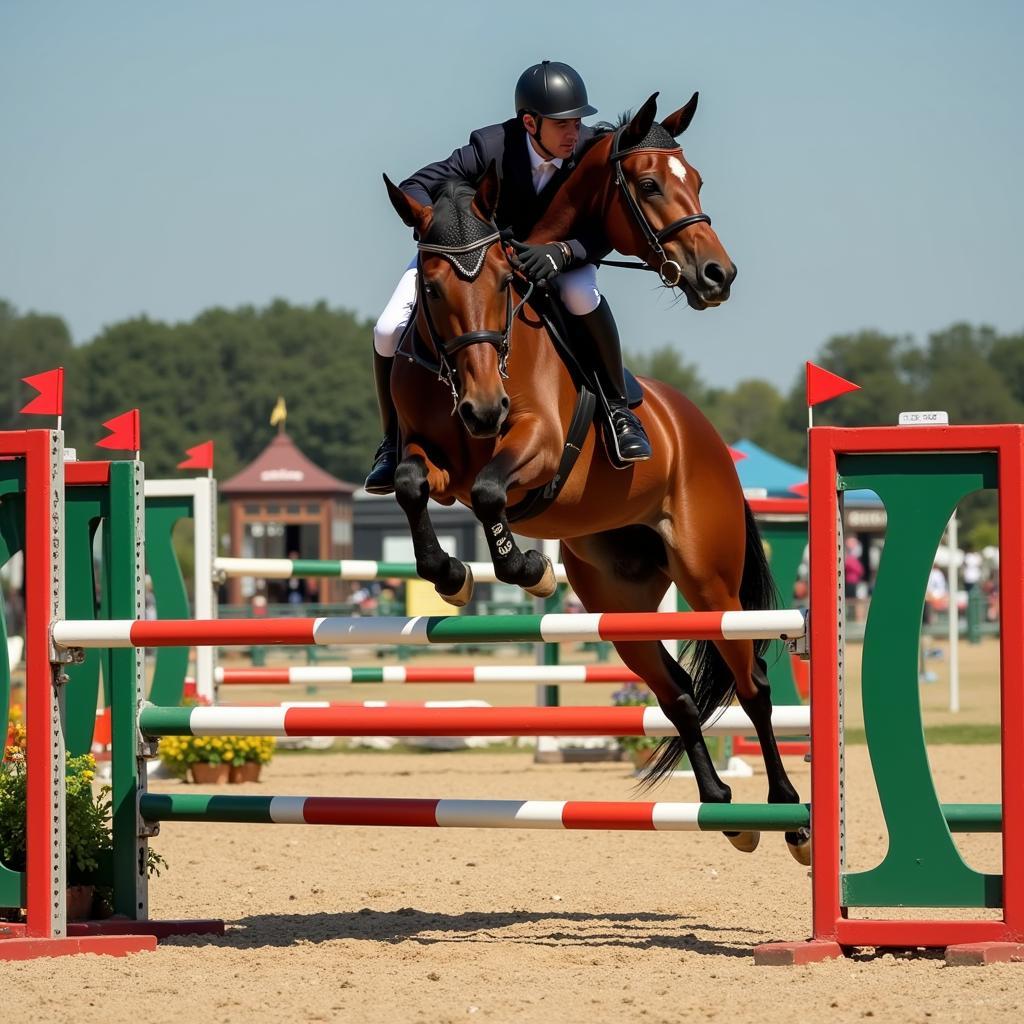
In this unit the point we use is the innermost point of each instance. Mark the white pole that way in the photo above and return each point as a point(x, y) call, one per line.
point(202, 491)
point(548, 747)
point(954, 616)
point(204, 518)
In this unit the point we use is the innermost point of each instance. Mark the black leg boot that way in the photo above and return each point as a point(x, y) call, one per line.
point(382, 477)
point(624, 435)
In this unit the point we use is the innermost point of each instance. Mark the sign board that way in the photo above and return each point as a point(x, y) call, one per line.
point(924, 419)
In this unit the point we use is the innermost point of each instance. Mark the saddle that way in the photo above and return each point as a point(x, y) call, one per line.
point(591, 400)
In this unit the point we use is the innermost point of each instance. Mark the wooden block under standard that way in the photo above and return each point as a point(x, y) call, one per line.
point(792, 954)
point(978, 954)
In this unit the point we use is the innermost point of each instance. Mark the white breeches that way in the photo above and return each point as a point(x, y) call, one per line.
point(389, 326)
point(578, 289)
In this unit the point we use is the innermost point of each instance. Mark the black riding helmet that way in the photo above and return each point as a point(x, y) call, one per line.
point(552, 89)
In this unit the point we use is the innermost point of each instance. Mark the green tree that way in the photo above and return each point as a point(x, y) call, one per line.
point(956, 373)
point(29, 343)
point(667, 365)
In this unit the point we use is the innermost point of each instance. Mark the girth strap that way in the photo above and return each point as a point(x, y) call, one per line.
point(540, 499)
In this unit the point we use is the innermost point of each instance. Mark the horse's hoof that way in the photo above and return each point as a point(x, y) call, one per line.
point(799, 844)
point(463, 595)
point(745, 842)
point(547, 584)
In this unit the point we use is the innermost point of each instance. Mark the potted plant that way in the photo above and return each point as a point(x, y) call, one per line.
point(216, 759)
point(250, 754)
point(89, 838)
point(15, 730)
point(639, 748)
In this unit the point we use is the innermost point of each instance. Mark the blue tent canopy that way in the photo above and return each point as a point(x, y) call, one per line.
point(762, 471)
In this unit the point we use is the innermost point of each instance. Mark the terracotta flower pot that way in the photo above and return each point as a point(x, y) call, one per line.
point(247, 771)
point(79, 902)
point(205, 773)
point(642, 757)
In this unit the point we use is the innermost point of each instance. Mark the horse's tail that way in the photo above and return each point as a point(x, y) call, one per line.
point(713, 682)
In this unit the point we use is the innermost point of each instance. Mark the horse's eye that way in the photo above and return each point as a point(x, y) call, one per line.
point(430, 291)
point(649, 186)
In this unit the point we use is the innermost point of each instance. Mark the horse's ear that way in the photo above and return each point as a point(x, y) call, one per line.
point(487, 191)
point(413, 213)
point(640, 123)
point(678, 122)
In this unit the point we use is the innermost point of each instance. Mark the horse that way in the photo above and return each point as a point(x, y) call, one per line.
point(626, 534)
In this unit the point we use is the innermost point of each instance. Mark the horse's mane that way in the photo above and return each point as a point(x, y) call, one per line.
point(657, 137)
point(603, 129)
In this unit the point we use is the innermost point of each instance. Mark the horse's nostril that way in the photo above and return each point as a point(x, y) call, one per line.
point(466, 409)
point(505, 403)
point(714, 274)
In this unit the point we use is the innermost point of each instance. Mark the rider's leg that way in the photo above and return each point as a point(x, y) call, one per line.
point(386, 333)
point(625, 438)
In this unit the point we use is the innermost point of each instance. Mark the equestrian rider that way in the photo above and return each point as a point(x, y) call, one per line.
point(534, 152)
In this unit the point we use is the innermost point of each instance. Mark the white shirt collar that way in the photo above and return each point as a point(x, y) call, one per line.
point(536, 159)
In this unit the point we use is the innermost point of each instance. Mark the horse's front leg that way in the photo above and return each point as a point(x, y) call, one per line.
point(452, 579)
point(528, 569)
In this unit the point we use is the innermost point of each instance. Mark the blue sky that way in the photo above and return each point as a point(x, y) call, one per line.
point(863, 163)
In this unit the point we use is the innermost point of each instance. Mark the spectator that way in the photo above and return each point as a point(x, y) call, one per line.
point(296, 587)
point(853, 567)
point(936, 596)
point(971, 569)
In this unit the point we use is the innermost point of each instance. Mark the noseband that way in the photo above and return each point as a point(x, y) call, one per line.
point(669, 271)
point(460, 256)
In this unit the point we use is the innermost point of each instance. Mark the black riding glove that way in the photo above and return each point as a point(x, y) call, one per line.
point(541, 262)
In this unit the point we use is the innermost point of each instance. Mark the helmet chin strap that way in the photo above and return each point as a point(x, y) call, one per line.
point(539, 118)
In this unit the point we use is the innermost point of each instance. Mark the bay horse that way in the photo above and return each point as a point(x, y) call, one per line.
point(626, 533)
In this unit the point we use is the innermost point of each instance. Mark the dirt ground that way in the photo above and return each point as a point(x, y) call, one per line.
point(363, 924)
point(332, 924)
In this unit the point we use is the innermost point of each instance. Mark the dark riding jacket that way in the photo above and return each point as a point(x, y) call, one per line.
point(519, 206)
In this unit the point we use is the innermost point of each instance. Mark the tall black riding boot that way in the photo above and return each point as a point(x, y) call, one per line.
point(624, 436)
point(382, 477)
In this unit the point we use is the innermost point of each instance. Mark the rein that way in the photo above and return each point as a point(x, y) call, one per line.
point(669, 270)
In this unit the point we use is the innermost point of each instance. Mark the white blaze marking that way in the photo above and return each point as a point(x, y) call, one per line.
point(675, 165)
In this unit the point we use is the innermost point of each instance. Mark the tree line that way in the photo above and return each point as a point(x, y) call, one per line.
point(219, 375)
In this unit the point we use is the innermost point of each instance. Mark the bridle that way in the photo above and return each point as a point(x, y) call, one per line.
point(446, 349)
point(670, 272)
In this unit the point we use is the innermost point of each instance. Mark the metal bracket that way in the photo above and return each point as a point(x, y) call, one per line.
point(218, 577)
point(801, 645)
point(148, 829)
point(67, 656)
point(149, 748)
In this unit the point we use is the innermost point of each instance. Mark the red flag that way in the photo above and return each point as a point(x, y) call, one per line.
point(199, 457)
point(50, 400)
point(124, 432)
point(823, 385)
point(803, 489)
point(737, 455)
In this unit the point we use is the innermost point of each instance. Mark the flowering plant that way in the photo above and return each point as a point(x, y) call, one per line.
point(15, 732)
point(179, 753)
point(635, 695)
point(89, 837)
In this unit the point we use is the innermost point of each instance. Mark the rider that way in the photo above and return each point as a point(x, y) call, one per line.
point(534, 153)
